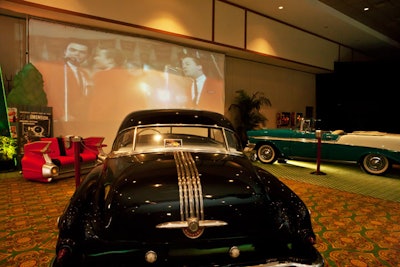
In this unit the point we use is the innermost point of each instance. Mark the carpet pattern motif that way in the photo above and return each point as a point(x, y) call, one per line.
point(352, 229)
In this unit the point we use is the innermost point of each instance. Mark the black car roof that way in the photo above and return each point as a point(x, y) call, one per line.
point(179, 116)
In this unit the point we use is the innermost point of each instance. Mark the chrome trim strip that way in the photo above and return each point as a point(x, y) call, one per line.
point(198, 192)
point(299, 139)
point(189, 184)
point(134, 138)
point(184, 224)
point(182, 188)
point(190, 195)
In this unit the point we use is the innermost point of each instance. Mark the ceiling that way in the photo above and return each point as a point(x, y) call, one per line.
point(375, 32)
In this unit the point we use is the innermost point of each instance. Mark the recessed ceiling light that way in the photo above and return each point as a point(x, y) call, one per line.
point(280, 7)
point(366, 8)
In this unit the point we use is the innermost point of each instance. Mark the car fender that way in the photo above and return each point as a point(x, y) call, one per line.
point(388, 154)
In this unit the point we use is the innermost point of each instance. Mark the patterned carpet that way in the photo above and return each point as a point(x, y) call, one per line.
point(352, 229)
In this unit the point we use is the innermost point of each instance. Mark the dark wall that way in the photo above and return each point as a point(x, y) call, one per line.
point(360, 96)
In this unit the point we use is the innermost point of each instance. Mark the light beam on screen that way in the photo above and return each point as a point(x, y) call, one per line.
point(93, 79)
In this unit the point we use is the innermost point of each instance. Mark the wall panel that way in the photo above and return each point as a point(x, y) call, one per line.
point(288, 90)
point(276, 39)
point(175, 16)
point(229, 25)
point(12, 48)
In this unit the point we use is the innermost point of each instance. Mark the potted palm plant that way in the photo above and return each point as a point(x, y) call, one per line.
point(246, 112)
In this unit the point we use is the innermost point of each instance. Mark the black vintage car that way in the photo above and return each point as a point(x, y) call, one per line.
point(177, 190)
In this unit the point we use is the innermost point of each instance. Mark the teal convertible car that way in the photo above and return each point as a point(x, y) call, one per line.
point(375, 152)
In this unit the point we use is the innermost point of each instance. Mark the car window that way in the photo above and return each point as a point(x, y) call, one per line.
point(151, 138)
point(124, 141)
point(233, 141)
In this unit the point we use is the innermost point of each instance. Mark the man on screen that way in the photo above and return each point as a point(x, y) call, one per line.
point(66, 83)
point(205, 93)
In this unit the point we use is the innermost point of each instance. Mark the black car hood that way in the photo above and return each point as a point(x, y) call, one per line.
point(168, 190)
point(160, 174)
point(185, 200)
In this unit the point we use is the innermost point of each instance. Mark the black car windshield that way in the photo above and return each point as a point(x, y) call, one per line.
point(169, 137)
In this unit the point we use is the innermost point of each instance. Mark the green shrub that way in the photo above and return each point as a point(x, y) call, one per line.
point(8, 148)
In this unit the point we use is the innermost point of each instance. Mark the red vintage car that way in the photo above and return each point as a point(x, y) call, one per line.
point(54, 157)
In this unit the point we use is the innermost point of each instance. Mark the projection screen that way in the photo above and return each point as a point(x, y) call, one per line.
point(93, 79)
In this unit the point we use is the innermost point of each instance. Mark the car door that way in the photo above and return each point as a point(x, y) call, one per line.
point(303, 144)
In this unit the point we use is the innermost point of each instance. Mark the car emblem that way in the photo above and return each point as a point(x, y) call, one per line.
point(193, 230)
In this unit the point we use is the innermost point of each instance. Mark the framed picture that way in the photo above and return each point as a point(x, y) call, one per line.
point(283, 119)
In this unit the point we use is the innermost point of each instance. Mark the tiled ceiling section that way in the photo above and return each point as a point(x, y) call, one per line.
point(381, 15)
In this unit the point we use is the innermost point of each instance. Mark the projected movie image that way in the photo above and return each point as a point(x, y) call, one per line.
point(92, 76)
